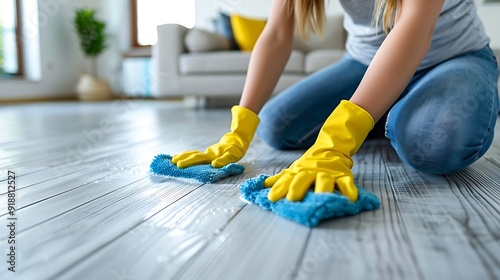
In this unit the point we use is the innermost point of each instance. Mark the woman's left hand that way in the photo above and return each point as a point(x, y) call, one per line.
point(327, 164)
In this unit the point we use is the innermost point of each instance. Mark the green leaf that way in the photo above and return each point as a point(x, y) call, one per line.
point(90, 31)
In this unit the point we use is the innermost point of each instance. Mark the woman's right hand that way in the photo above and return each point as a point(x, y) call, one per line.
point(231, 147)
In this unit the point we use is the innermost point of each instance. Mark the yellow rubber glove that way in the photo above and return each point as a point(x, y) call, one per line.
point(327, 164)
point(231, 147)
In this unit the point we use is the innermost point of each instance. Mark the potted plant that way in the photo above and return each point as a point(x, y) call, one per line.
point(92, 39)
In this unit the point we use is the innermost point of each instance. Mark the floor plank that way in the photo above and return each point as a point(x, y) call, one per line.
point(213, 206)
point(442, 226)
point(101, 215)
point(78, 232)
point(372, 245)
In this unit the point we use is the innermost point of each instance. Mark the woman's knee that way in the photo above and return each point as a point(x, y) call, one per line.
point(440, 154)
point(446, 120)
point(272, 131)
point(268, 133)
point(271, 128)
point(280, 129)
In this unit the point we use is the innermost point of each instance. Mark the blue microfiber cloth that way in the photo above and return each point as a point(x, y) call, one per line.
point(205, 173)
point(314, 208)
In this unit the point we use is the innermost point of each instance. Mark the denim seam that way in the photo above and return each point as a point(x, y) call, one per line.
point(492, 116)
point(483, 140)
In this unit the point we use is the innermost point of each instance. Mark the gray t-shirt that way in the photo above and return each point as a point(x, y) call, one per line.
point(458, 30)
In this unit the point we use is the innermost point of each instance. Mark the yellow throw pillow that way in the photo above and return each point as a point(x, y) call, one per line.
point(246, 31)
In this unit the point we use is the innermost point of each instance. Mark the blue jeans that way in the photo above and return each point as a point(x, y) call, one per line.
point(443, 121)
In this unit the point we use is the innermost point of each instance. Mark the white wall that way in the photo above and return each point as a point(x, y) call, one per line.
point(117, 16)
point(60, 59)
point(490, 15)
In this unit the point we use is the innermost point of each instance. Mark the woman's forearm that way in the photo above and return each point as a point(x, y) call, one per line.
point(269, 57)
point(398, 58)
point(267, 62)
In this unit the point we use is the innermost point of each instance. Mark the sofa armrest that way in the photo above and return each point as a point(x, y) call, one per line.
point(165, 59)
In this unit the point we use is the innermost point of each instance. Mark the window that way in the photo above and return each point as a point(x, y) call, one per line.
point(148, 14)
point(10, 44)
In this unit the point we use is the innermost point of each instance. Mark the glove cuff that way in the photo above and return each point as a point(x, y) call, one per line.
point(359, 114)
point(346, 128)
point(244, 121)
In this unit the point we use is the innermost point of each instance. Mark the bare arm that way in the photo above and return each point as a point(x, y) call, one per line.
point(269, 57)
point(399, 56)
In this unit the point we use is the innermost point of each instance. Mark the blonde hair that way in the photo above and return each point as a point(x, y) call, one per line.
point(385, 10)
point(310, 15)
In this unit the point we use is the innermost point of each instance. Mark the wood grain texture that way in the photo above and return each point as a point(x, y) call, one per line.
point(87, 207)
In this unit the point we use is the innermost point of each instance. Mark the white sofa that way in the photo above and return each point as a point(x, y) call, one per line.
point(179, 73)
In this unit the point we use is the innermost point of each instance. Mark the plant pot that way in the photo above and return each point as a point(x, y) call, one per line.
point(90, 88)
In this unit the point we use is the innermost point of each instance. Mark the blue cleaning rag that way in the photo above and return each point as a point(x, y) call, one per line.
point(205, 173)
point(314, 208)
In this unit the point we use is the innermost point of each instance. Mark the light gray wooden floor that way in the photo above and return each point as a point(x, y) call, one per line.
point(88, 209)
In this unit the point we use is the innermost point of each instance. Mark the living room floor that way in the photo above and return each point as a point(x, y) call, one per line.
point(87, 208)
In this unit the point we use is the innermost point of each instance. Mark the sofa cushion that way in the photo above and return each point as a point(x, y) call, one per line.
point(225, 29)
point(334, 36)
point(230, 62)
point(318, 59)
point(198, 40)
point(246, 31)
